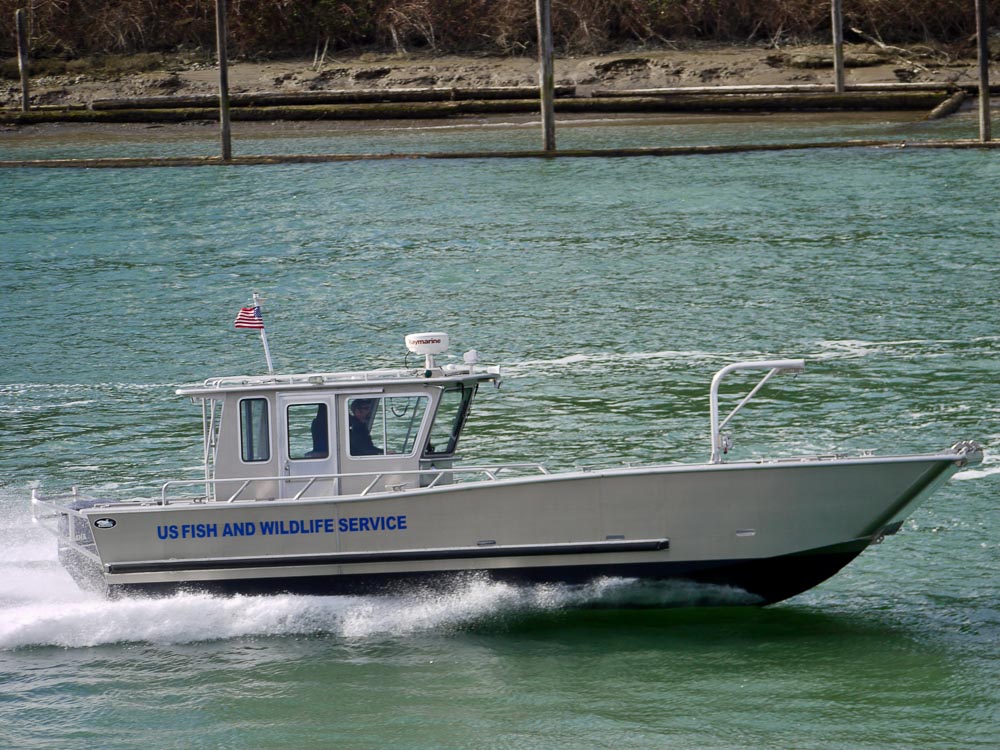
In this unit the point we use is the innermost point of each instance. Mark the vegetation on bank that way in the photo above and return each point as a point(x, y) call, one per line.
point(73, 29)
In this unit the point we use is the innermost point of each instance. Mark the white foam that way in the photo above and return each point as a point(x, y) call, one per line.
point(18, 388)
point(976, 473)
point(48, 612)
point(29, 550)
point(603, 359)
point(857, 348)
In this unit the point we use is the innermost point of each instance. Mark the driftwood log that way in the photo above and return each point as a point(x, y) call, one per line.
point(948, 107)
point(787, 88)
point(362, 96)
point(780, 102)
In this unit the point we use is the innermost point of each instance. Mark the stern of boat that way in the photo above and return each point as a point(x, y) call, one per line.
point(63, 517)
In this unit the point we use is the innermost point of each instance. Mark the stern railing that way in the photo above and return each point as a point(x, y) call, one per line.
point(59, 519)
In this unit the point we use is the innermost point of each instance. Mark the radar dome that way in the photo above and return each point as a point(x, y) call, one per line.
point(427, 343)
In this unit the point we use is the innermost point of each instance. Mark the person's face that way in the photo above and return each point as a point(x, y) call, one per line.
point(361, 411)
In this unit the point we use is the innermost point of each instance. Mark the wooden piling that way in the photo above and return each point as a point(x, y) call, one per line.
point(546, 74)
point(221, 37)
point(982, 32)
point(837, 21)
point(22, 58)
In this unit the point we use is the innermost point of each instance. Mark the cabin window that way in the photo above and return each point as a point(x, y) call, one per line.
point(448, 421)
point(385, 425)
point(255, 436)
point(308, 430)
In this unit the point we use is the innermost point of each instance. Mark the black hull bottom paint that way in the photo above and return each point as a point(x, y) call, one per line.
point(767, 581)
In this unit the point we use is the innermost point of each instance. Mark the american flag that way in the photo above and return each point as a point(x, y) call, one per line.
point(250, 317)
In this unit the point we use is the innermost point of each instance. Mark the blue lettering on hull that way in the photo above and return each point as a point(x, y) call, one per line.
point(357, 524)
point(187, 531)
point(372, 523)
point(239, 528)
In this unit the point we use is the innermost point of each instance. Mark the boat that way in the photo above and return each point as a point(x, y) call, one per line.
point(350, 482)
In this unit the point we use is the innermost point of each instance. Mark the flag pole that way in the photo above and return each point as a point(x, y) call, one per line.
point(263, 338)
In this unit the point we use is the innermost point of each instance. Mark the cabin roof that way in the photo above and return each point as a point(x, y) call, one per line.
point(216, 387)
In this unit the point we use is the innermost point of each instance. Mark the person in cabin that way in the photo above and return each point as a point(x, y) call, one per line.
point(320, 434)
point(360, 418)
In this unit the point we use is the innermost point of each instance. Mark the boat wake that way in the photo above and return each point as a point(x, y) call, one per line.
point(41, 606)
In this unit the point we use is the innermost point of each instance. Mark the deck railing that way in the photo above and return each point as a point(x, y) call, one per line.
point(432, 477)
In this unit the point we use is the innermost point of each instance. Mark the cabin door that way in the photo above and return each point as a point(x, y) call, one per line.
point(308, 455)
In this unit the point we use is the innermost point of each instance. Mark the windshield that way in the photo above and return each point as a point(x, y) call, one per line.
point(447, 426)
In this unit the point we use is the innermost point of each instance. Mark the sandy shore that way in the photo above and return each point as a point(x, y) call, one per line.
point(697, 66)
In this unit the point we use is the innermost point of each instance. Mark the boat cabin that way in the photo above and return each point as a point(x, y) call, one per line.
point(324, 434)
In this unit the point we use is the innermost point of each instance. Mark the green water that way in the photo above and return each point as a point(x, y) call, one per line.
point(610, 290)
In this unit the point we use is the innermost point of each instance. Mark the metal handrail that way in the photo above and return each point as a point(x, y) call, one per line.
point(339, 379)
point(774, 366)
point(489, 472)
point(231, 497)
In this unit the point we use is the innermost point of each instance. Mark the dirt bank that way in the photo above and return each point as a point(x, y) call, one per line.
point(696, 66)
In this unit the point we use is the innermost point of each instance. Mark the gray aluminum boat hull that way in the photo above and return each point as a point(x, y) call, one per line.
point(771, 529)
